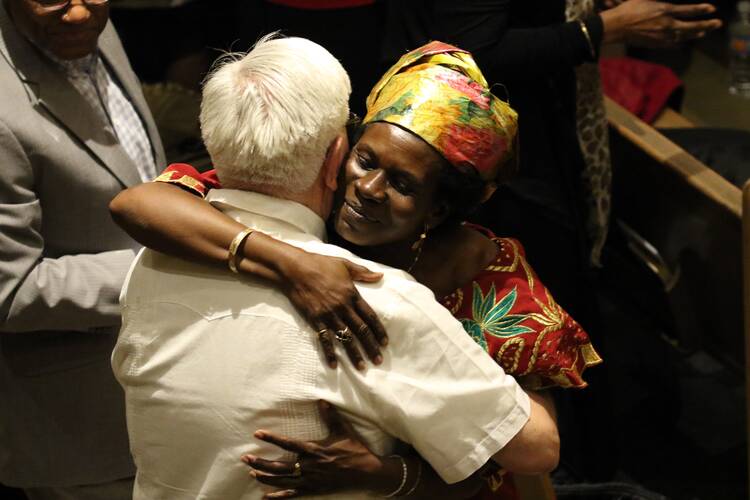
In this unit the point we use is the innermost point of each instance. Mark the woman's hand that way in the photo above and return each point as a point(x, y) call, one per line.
point(322, 289)
point(340, 462)
point(656, 24)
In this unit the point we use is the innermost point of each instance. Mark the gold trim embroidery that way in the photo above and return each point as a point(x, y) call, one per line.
point(590, 356)
point(164, 177)
point(459, 295)
point(516, 356)
point(184, 180)
point(513, 265)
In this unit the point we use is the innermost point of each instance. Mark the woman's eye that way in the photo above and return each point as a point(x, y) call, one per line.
point(401, 186)
point(364, 163)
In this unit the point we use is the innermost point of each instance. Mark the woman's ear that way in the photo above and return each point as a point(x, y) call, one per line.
point(489, 190)
point(437, 216)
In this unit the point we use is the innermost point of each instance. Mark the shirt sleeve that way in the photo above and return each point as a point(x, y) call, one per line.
point(187, 177)
point(484, 28)
point(439, 391)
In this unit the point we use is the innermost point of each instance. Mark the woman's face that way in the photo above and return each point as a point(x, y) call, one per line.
point(391, 180)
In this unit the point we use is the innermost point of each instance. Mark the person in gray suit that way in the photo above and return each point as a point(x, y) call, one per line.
point(74, 131)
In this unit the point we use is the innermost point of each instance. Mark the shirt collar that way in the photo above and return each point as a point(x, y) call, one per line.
point(85, 65)
point(286, 211)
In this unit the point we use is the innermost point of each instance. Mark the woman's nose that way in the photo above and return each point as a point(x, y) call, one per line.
point(371, 186)
point(77, 12)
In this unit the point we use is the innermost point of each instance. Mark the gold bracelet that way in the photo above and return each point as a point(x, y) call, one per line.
point(234, 246)
point(585, 31)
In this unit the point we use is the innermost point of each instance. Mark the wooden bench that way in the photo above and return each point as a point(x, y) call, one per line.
point(694, 218)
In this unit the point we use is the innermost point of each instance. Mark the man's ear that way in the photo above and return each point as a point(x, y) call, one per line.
point(337, 151)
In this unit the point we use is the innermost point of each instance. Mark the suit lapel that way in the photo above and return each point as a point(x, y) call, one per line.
point(49, 89)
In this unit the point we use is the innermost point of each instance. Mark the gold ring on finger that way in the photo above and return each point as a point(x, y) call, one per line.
point(363, 328)
point(297, 470)
point(322, 332)
point(344, 336)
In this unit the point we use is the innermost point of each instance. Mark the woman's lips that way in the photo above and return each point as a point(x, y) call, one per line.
point(356, 214)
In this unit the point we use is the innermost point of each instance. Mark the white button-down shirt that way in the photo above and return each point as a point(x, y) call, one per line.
point(206, 359)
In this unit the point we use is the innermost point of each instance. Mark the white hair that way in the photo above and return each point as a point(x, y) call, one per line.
point(268, 116)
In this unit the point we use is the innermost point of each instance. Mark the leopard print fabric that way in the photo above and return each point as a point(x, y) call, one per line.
point(593, 138)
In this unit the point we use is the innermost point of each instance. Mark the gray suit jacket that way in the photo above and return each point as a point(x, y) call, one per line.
point(62, 264)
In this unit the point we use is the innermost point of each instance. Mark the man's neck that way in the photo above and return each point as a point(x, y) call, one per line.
point(309, 198)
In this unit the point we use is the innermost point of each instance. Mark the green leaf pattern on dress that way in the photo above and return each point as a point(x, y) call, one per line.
point(492, 316)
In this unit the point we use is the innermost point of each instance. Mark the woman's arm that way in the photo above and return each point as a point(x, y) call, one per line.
point(343, 462)
point(168, 219)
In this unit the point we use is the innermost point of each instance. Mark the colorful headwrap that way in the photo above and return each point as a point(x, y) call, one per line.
point(438, 93)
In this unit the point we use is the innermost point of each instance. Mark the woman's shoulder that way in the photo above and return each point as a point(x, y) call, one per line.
point(474, 248)
point(506, 251)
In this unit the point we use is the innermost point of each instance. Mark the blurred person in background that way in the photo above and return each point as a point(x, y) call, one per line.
point(74, 131)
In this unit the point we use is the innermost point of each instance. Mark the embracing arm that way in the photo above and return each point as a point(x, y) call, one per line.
point(72, 292)
point(168, 219)
point(343, 461)
point(536, 448)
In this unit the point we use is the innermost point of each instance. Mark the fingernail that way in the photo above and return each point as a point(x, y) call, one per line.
point(378, 359)
point(248, 459)
point(333, 364)
point(252, 473)
point(384, 342)
point(259, 434)
point(361, 366)
point(325, 404)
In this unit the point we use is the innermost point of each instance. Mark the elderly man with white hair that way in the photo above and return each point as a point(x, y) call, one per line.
point(206, 358)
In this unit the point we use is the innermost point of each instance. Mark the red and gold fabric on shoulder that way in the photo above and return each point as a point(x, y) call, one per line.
point(509, 312)
point(189, 178)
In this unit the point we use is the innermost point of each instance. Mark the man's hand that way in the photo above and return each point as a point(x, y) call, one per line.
point(649, 23)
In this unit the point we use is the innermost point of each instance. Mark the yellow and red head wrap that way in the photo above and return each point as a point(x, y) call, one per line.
point(438, 93)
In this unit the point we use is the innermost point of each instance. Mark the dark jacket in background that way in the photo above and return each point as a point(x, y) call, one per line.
point(527, 47)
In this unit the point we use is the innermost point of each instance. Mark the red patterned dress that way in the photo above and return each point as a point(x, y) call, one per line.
point(506, 309)
point(510, 313)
